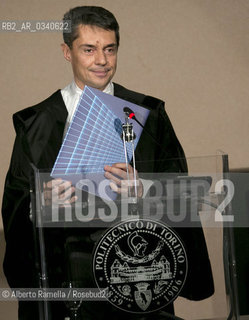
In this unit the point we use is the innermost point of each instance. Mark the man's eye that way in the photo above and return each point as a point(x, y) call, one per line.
point(88, 50)
point(110, 50)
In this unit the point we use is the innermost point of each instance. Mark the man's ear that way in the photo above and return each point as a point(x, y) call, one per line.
point(66, 51)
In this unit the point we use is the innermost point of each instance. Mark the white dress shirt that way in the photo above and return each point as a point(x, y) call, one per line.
point(71, 96)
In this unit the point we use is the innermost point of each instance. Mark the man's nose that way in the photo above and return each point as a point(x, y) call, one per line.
point(100, 57)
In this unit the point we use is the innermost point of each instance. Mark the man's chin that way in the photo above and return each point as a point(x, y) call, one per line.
point(98, 85)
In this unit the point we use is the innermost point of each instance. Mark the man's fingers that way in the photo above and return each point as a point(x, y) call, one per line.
point(116, 171)
point(62, 188)
point(113, 178)
point(120, 170)
point(71, 200)
point(64, 194)
point(114, 187)
point(119, 165)
point(122, 165)
point(58, 190)
point(123, 189)
point(120, 182)
point(52, 183)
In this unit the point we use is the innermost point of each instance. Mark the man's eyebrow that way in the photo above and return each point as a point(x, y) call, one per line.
point(110, 45)
point(88, 45)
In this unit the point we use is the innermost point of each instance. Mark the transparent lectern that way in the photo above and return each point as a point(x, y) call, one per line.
point(166, 255)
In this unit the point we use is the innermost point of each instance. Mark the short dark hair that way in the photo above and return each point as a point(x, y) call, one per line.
point(89, 15)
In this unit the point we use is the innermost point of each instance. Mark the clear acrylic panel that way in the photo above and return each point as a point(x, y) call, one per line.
point(185, 202)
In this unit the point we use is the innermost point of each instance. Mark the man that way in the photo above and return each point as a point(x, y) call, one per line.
point(91, 48)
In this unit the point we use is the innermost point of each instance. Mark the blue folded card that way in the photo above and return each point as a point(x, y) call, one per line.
point(93, 139)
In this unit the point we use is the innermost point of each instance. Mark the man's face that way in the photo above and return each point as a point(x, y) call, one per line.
point(93, 56)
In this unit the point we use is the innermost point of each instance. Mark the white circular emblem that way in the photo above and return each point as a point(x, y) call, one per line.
point(141, 264)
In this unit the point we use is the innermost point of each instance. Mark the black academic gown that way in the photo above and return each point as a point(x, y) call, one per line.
point(39, 135)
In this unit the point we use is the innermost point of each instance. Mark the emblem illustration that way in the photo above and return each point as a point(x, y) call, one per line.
point(142, 265)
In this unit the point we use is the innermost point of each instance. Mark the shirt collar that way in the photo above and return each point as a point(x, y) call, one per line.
point(109, 89)
point(74, 88)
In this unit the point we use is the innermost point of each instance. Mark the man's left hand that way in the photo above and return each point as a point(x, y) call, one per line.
point(122, 181)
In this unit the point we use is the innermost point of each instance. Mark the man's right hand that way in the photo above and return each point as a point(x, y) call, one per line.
point(59, 191)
